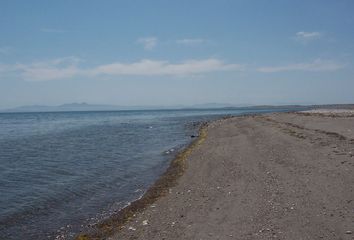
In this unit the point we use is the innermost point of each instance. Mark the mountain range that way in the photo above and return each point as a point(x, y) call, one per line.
point(72, 107)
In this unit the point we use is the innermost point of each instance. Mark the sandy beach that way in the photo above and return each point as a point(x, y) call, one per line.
point(273, 176)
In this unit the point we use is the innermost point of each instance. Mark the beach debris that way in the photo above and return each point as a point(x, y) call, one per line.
point(173, 223)
point(348, 232)
point(189, 191)
point(132, 228)
point(170, 151)
point(145, 222)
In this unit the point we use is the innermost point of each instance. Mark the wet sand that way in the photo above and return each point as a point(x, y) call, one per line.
point(273, 176)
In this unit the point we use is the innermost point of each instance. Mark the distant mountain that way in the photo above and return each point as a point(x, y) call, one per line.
point(60, 108)
point(77, 107)
point(217, 105)
point(73, 107)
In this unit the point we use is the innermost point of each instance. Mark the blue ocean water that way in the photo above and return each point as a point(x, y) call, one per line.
point(60, 172)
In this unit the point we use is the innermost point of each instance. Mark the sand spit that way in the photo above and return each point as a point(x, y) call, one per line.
point(331, 112)
point(273, 176)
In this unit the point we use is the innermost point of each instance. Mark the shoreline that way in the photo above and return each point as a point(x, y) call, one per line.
point(267, 176)
point(113, 224)
point(159, 188)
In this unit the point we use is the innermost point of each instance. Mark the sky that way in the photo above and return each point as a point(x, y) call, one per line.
point(176, 52)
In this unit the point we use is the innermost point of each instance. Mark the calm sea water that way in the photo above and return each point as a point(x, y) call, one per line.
point(60, 172)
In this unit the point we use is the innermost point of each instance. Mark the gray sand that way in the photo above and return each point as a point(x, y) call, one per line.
point(276, 176)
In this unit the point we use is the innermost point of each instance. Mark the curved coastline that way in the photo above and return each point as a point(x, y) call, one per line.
point(161, 186)
point(259, 177)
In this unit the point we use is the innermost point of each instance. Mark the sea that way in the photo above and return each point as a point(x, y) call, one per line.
point(62, 172)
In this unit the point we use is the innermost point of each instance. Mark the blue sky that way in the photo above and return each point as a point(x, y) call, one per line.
point(176, 52)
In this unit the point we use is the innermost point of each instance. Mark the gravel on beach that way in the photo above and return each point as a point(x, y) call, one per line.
point(272, 176)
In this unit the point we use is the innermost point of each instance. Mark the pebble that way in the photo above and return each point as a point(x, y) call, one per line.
point(348, 232)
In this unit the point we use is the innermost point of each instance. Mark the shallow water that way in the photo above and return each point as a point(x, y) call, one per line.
point(60, 172)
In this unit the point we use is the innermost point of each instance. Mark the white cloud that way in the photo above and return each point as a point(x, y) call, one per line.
point(49, 73)
point(152, 67)
point(52, 30)
point(191, 41)
point(149, 43)
point(65, 68)
point(70, 67)
point(45, 70)
point(305, 37)
point(317, 65)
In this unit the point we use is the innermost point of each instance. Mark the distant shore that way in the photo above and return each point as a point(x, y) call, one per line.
point(280, 176)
